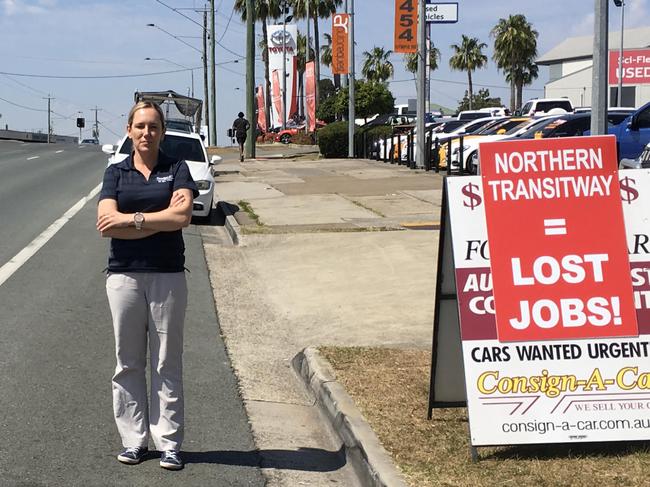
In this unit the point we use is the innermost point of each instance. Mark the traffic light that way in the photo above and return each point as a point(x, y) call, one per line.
point(81, 122)
point(618, 3)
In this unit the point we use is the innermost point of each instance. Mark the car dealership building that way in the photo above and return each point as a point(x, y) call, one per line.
point(570, 68)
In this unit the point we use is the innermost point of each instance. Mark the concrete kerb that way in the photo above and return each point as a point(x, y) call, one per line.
point(231, 223)
point(370, 460)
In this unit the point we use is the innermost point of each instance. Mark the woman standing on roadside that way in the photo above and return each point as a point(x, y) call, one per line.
point(145, 202)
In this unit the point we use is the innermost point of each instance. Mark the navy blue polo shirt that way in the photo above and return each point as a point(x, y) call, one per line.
point(162, 251)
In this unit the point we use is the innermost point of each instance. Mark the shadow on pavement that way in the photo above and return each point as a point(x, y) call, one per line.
point(307, 459)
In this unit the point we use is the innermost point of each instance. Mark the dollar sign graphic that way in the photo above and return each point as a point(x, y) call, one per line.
point(628, 193)
point(471, 191)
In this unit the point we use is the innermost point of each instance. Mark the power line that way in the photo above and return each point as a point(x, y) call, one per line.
point(23, 106)
point(116, 135)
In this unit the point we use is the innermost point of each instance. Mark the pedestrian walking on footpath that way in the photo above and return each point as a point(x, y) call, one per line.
point(240, 126)
point(144, 203)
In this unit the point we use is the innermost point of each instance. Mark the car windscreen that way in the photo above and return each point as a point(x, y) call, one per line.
point(180, 125)
point(175, 147)
point(545, 106)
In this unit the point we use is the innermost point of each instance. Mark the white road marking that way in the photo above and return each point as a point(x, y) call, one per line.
point(7, 270)
point(59, 151)
point(33, 157)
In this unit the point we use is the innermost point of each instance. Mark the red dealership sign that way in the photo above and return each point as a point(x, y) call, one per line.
point(636, 66)
point(557, 242)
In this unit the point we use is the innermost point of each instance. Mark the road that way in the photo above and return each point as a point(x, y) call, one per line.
point(56, 344)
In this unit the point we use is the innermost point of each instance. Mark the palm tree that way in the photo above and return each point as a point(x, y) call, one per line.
point(411, 62)
point(376, 65)
point(515, 48)
point(326, 58)
point(468, 57)
point(264, 9)
point(322, 9)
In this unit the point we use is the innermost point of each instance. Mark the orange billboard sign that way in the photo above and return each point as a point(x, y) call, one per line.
point(340, 64)
point(406, 23)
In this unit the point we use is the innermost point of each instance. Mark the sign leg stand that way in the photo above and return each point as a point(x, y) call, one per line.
point(473, 451)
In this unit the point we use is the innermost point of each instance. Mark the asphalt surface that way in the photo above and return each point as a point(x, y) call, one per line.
point(56, 345)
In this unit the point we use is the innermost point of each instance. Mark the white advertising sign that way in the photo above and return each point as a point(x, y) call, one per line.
point(442, 13)
point(276, 34)
point(554, 391)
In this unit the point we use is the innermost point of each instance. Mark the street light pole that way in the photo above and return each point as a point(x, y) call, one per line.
point(175, 37)
point(351, 112)
point(620, 56)
point(213, 81)
point(250, 79)
point(284, 64)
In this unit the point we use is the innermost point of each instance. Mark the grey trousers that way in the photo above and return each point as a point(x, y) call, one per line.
point(148, 305)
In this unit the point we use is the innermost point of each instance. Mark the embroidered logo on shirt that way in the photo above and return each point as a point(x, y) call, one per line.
point(165, 179)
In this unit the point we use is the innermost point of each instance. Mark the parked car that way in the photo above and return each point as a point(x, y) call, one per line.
point(570, 125)
point(472, 114)
point(181, 145)
point(501, 130)
point(641, 162)
point(89, 142)
point(286, 135)
point(633, 134)
point(550, 106)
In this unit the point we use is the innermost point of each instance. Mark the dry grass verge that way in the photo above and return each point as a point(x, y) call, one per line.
point(390, 387)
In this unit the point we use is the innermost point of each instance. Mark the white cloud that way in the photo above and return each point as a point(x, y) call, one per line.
point(583, 26)
point(17, 7)
point(636, 13)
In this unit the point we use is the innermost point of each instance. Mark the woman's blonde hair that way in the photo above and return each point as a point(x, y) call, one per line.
point(147, 104)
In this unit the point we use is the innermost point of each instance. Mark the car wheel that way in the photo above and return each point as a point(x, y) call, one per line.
point(285, 138)
point(472, 163)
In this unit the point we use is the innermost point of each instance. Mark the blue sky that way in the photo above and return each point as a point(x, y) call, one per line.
point(98, 47)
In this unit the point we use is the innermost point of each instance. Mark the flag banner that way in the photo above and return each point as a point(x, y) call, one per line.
point(340, 43)
point(310, 91)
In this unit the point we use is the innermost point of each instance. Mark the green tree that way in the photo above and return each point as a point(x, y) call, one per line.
point(369, 98)
point(264, 9)
point(515, 49)
point(481, 100)
point(468, 56)
point(376, 65)
point(318, 9)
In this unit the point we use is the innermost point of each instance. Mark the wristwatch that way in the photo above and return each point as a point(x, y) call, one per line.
point(138, 220)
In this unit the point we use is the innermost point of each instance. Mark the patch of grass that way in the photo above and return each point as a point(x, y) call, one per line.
point(361, 205)
point(245, 206)
point(391, 389)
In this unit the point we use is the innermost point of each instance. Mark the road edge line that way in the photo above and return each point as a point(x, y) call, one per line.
point(18, 260)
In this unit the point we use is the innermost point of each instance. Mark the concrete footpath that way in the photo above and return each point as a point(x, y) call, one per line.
point(328, 252)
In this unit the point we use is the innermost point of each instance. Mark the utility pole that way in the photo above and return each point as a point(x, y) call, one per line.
point(599, 71)
point(619, 95)
point(213, 82)
point(351, 114)
point(284, 64)
point(344, 77)
point(422, 81)
point(206, 101)
point(96, 126)
point(306, 109)
point(49, 117)
point(250, 79)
